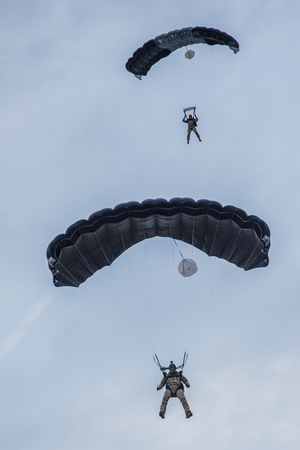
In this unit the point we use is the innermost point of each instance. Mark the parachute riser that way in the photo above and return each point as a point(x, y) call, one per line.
point(164, 368)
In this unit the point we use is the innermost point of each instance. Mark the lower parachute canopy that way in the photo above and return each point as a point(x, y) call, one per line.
point(225, 232)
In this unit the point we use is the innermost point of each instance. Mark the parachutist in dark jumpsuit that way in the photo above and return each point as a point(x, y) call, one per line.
point(174, 388)
point(192, 123)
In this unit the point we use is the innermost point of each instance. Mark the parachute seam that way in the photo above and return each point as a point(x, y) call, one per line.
point(68, 272)
point(235, 244)
point(101, 246)
point(84, 259)
point(248, 262)
point(215, 235)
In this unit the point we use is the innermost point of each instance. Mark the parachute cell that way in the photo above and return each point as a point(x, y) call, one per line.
point(160, 47)
point(225, 232)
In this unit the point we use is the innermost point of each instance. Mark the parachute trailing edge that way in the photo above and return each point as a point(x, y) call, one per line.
point(225, 232)
point(160, 47)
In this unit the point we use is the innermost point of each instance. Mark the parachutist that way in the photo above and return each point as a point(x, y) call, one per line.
point(174, 388)
point(192, 124)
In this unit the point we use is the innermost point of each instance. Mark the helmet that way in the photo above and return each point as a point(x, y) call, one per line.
point(172, 367)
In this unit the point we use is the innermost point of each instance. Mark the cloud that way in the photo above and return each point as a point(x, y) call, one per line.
point(17, 334)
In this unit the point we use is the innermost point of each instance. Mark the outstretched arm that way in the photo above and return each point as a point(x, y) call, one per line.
point(161, 384)
point(185, 381)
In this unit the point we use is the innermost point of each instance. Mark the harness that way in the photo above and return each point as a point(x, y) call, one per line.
point(192, 123)
point(175, 375)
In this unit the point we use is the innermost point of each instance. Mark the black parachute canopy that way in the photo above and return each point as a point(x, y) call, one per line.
point(154, 50)
point(225, 232)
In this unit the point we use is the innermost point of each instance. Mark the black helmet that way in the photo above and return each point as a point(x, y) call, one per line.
point(172, 367)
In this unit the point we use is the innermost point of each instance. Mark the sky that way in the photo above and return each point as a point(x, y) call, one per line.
point(78, 134)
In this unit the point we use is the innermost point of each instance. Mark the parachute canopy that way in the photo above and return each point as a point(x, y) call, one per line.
point(154, 50)
point(225, 232)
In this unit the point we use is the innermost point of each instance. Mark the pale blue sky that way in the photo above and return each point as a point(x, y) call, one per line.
point(78, 134)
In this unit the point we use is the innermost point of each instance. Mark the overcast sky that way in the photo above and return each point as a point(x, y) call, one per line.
point(79, 133)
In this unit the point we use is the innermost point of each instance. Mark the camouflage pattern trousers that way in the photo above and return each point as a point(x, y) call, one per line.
point(190, 129)
point(168, 395)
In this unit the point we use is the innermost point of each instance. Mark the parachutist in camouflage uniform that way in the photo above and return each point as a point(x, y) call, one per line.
point(174, 388)
point(192, 123)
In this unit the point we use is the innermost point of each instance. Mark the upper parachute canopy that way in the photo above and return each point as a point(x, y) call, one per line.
point(152, 51)
point(226, 232)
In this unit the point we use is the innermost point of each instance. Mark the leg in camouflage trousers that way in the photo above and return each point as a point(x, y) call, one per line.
point(168, 395)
